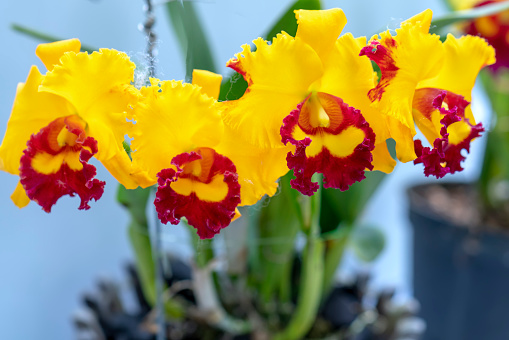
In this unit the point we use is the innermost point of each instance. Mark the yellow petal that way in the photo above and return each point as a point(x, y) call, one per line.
point(172, 119)
point(209, 82)
point(19, 196)
point(258, 168)
point(106, 120)
point(85, 79)
point(350, 77)
point(382, 159)
point(120, 167)
point(320, 29)
point(51, 53)
point(31, 111)
point(464, 58)
point(279, 76)
point(416, 56)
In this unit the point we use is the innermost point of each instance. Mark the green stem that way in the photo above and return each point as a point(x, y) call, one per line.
point(205, 290)
point(310, 290)
point(135, 201)
point(335, 244)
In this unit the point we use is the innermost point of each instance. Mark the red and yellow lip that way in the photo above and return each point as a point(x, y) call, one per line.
point(203, 188)
point(55, 163)
point(331, 138)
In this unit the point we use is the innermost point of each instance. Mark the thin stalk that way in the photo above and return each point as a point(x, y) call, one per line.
point(150, 20)
point(157, 251)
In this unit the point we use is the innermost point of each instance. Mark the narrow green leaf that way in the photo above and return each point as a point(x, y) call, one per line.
point(470, 14)
point(45, 37)
point(309, 292)
point(191, 36)
point(367, 242)
point(277, 228)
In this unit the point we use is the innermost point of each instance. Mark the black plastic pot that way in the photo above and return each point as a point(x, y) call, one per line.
point(461, 278)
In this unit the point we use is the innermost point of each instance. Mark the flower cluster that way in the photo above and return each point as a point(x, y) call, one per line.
point(314, 104)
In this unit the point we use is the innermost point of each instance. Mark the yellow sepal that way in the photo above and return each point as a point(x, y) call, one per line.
point(19, 196)
point(209, 82)
point(51, 53)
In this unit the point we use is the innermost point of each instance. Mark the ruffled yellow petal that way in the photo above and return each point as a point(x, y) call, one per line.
point(19, 196)
point(209, 82)
point(51, 53)
point(31, 111)
point(85, 79)
point(172, 119)
point(414, 56)
point(258, 168)
point(464, 58)
point(279, 76)
point(106, 120)
point(320, 29)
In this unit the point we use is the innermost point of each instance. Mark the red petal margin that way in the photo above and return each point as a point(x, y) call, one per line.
point(207, 217)
point(339, 173)
point(46, 189)
point(382, 56)
point(444, 157)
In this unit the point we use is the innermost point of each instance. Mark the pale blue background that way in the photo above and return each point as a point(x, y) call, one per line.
point(48, 260)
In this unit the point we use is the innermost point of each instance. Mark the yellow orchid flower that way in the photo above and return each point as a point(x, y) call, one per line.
point(203, 170)
point(60, 120)
point(309, 91)
point(428, 83)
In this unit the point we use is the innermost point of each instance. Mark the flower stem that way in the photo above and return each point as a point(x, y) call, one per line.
point(204, 289)
point(311, 280)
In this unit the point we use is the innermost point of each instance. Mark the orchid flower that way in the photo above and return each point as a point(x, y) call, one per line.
point(202, 171)
point(428, 83)
point(309, 91)
point(59, 120)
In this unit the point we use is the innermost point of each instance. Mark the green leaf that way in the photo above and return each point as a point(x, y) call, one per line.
point(367, 242)
point(345, 206)
point(277, 229)
point(135, 201)
point(45, 37)
point(474, 13)
point(234, 86)
point(191, 36)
